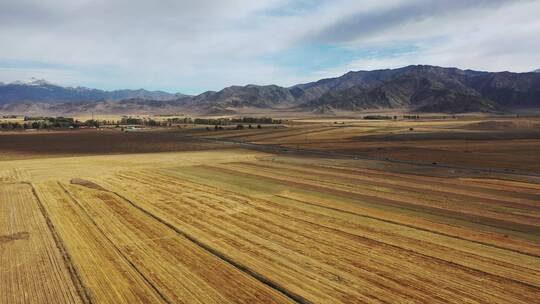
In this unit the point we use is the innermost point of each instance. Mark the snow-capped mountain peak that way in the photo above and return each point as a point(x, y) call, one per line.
point(32, 82)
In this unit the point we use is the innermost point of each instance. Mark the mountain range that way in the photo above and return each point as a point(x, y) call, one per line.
point(415, 88)
point(39, 90)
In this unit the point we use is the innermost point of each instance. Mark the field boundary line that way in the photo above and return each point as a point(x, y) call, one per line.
point(465, 268)
point(406, 185)
point(161, 295)
point(259, 277)
point(449, 262)
point(280, 149)
point(165, 173)
point(409, 226)
point(473, 218)
point(84, 293)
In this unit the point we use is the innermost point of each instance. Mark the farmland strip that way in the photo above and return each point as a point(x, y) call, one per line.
point(102, 269)
point(32, 267)
point(153, 185)
point(185, 273)
point(297, 298)
point(407, 194)
point(480, 249)
point(84, 293)
point(394, 216)
point(167, 214)
point(412, 182)
point(412, 205)
point(237, 183)
point(133, 266)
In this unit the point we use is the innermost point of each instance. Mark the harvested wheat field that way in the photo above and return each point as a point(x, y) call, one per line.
point(33, 268)
point(227, 225)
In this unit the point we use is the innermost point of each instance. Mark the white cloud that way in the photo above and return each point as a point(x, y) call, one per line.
point(204, 44)
point(501, 38)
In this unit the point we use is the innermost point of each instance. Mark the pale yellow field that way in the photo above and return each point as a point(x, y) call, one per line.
point(33, 269)
point(238, 226)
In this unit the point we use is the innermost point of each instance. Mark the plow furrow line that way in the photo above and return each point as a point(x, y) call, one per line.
point(407, 183)
point(416, 206)
point(447, 231)
point(406, 195)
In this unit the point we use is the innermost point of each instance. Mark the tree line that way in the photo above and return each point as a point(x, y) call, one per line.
point(66, 122)
point(224, 121)
point(41, 123)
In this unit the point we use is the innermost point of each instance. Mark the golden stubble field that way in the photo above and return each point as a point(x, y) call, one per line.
point(240, 226)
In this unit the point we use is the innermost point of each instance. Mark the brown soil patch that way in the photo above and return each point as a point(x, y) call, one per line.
point(13, 237)
point(94, 142)
point(87, 184)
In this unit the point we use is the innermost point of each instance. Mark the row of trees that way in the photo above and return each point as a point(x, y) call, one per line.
point(238, 127)
point(411, 116)
point(177, 120)
point(385, 117)
point(48, 123)
point(16, 125)
point(142, 122)
point(41, 123)
point(65, 122)
point(380, 117)
point(256, 120)
point(225, 121)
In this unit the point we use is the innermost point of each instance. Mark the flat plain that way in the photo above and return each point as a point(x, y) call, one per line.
point(313, 212)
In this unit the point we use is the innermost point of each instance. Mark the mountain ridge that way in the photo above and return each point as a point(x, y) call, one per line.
point(416, 88)
point(42, 91)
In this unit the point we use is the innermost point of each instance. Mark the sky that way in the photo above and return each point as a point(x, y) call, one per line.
point(195, 46)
